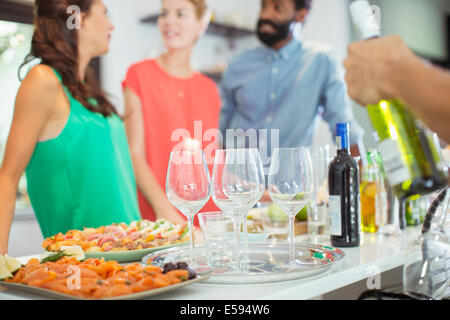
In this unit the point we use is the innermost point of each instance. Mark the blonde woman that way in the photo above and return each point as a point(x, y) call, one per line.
point(164, 95)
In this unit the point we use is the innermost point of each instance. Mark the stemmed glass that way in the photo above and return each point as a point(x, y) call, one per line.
point(291, 186)
point(188, 187)
point(228, 206)
point(241, 181)
point(262, 189)
point(317, 215)
point(426, 272)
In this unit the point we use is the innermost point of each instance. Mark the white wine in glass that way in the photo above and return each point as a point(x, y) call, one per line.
point(291, 186)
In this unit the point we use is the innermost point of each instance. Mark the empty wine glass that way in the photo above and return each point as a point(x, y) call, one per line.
point(262, 189)
point(426, 272)
point(291, 186)
point(228, 206)
point(240, 180)
point(188, 187)
point(317, 211)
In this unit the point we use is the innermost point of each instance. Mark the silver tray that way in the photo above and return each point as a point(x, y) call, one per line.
point(266, 260)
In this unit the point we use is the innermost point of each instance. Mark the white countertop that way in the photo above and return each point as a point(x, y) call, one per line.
point(375, 255)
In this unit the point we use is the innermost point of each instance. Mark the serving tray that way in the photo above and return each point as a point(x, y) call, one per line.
point(266, 260)
point(45, 293)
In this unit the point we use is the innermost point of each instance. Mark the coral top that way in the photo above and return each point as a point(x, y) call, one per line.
point(173, 108)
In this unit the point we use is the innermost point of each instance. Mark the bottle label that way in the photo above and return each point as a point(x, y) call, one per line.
point(396, 169)
point(334, 210)
point(338, 142)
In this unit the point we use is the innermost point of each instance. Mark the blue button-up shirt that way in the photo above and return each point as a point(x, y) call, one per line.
point(285, 90)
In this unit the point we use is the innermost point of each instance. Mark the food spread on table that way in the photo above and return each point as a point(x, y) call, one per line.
point(91, 278)
point(137, 235)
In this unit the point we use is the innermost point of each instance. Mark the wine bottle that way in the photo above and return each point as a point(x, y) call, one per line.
point(412, 160)
point(343, 184)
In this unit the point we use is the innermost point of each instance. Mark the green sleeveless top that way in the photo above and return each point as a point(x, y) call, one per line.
point(84, 177)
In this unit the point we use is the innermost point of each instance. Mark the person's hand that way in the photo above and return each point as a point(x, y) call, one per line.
point(169, 213)
point(372, 66)
point(3, 249)
point(265, 198)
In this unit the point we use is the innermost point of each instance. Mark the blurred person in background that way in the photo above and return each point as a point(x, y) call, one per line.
point(286, 83)
point(165, 96)
point(65, 133)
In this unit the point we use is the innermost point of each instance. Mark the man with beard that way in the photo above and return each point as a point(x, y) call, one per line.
point(283, 85)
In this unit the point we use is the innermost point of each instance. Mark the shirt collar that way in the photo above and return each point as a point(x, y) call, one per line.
point(287, 51)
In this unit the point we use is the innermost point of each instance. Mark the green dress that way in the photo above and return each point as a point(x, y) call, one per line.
point(84, 177)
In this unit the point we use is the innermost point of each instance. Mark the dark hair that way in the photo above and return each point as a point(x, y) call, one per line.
point(302, 4)
point(57, 46)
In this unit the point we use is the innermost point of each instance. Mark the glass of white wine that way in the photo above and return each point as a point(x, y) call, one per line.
point(188, 187)
point(291, 186)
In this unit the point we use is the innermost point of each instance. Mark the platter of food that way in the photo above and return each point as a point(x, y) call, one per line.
point(94, 279)
point(122, 242)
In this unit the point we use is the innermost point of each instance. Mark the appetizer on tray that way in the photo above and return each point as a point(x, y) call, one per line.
point(138, 235)
point(63, 273)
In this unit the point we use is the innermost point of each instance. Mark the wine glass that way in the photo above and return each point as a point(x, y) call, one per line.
point(291, 186)
point(188, 187)
point(426, 272)
point(262, 189)
point(317, 211)
point(241, 182)
point(228, 206)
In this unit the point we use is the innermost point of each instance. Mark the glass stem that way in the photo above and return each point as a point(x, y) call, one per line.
point(244, 240)
point(191, 239)
point(402, 212)
point(291, 239)
point(236, 253)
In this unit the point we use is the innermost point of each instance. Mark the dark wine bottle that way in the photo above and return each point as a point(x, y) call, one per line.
point(343, 180)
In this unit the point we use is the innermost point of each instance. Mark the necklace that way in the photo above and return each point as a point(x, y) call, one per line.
point(178, 87)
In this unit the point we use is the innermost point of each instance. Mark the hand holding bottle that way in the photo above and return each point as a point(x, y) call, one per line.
point(375, 68)
point(385, 69)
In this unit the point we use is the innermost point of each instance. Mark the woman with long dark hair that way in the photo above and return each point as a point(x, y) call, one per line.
point(65, 133)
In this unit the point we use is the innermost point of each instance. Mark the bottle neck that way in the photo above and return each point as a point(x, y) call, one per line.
point(342, 144)
point(369, 174)
point(445, 209)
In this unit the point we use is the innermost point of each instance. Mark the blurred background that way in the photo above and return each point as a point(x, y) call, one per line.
point(424, 25)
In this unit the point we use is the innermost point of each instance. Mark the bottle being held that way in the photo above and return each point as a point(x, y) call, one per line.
point(343, 181)
point(412, 210)
point(411, 158)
